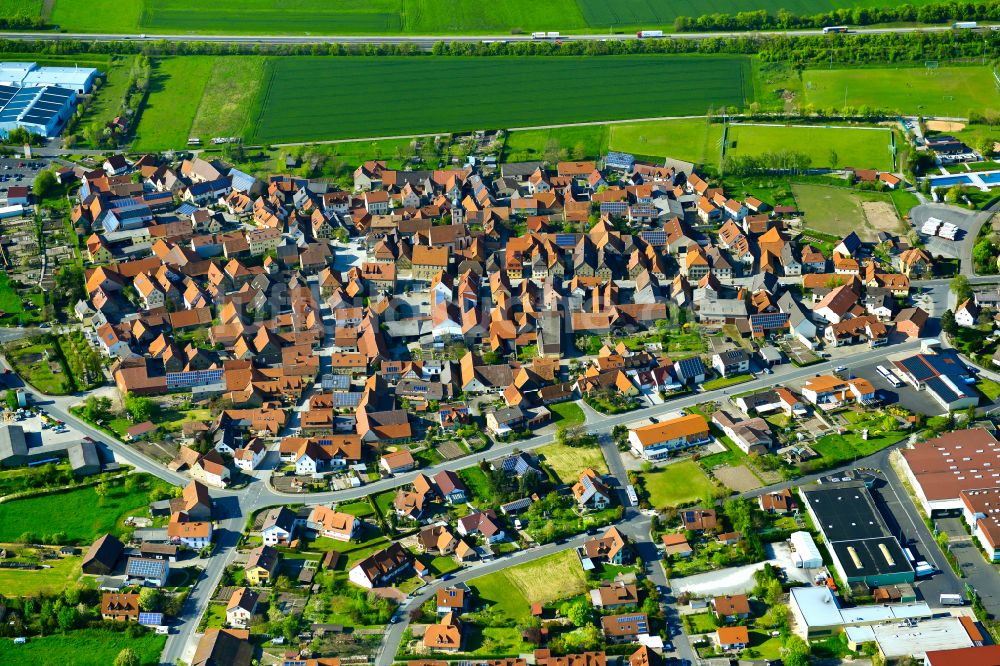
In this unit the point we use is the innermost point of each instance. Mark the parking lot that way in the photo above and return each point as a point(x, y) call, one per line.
point(964, 220)
point(14, 172)
point(906, 396)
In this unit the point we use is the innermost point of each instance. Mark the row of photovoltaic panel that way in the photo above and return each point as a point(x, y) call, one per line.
point(137, 567)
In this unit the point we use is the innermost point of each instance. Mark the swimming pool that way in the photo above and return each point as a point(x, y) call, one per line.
point(948, 181)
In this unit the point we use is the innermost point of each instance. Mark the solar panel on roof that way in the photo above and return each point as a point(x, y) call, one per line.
point(147, 568)
point(150, 619)
point(654, 237)
point(565, 240)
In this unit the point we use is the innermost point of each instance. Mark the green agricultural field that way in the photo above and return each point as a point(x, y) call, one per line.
point(837, 211)
point(109, 16)
point(676, 484)
point(86, 647)
point(230, 98)
point(860, 148)
point(81, 514)
point(692, 140)
point(425, 17)
point(948, 91)
point(479, 93)
point(175, 93)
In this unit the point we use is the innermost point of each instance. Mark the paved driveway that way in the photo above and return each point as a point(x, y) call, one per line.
point(979, 573)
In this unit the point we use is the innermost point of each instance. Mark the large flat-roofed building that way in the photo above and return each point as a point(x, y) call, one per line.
point(862, 548)
point(940, 469)
point(29, 75)
point(41, 110)
point(944, 376)
point(981, 511)
point(896, 640)
point(818, 614)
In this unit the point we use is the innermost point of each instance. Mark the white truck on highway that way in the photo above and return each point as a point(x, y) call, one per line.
point(644, 34)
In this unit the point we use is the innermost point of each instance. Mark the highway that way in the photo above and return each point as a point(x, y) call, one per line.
point(425, 41)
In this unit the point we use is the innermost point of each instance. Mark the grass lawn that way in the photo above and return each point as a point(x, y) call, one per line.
point(361, 508)
point(548, 92)
point(542, 581)
point(230, 98)
point(172, 420)
point(80, 514)
point(175, 94)
point(528, 145)
point(950, 91)
point(763, 645)
point(353, 551)
point(107, 102)
point(34, 362)
point(837, 449)
point(692, 140)
point(10, 301)
point(477, 483)
point(444, 564)
point(723, 382)
point(700, 623)
point(857, 147)
point(25, 583)
point(838, 210)
point(989, 388)
point(567, 414)
point(567, 462)
point(86, 647)
point(676, 484)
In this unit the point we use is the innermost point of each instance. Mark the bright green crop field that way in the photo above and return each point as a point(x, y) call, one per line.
point(390, 96)
point(373, 17)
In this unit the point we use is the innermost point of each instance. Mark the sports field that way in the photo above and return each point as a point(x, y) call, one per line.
point(390, 96)
point(947, 91)
point(856, 147)
point(423, 17)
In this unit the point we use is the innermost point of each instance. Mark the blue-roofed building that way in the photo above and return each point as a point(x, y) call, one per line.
point(619, 161)
point(944, 376)
point(79, 80)
point(40, 110)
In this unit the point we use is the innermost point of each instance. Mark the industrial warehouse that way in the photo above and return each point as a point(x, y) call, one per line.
point(40, 99)
point(862, 548)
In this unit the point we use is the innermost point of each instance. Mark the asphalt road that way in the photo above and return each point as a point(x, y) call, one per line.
point(426, 41)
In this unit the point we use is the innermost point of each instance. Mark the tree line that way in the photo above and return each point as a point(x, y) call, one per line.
point(781, 161)
point(934, 13)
